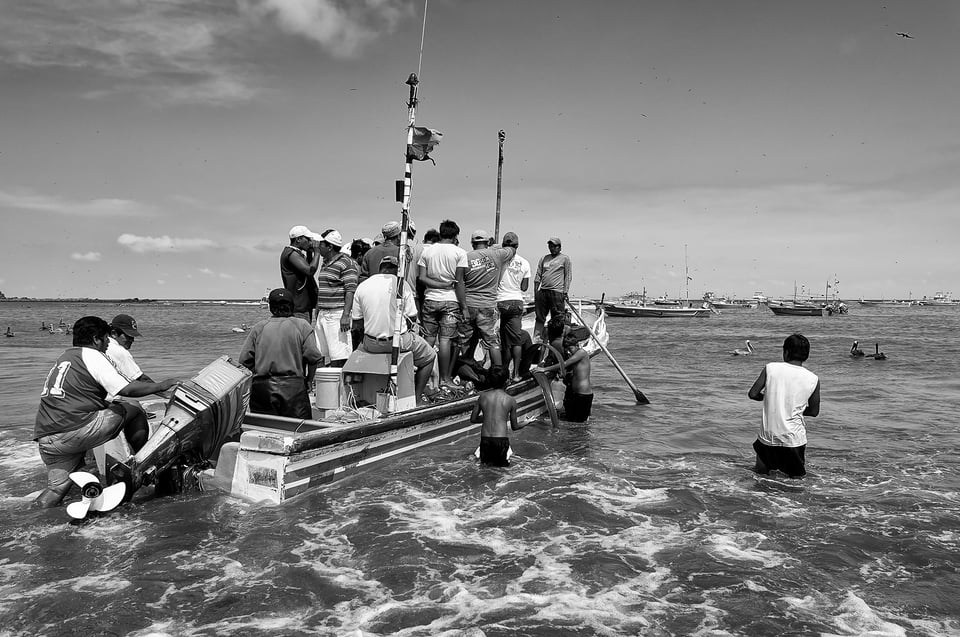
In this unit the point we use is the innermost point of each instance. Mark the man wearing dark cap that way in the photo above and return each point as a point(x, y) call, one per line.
point(551, 285)
point(375, 312)
point(282, 353)
point(123, 329)
point(76, 413)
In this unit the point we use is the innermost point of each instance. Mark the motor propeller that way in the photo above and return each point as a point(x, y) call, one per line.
point(94, 496)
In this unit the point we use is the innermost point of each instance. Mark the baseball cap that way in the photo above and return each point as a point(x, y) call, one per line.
point(367, 240)
point(511, 239)
point(333, 238)
point(126, 324)
point(280, 295)
point(299, 231)
point(390, 229)
point(377, 240)
point(389, 259)
point(480, 235)
point(554, 240)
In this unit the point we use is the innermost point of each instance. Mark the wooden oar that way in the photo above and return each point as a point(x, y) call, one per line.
point(641, 399)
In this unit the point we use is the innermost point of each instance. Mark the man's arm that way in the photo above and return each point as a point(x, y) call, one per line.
point(813, 404)
point(461, 289)
point(525, 284)
point(514, 423)
point(567, 276)
point(756, 392)
point(475, 417)
point(538, 276)
point(139, 389)
point(300, 264)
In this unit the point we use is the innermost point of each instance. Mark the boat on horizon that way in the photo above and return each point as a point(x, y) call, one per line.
point(939, 299)
point(636, 305)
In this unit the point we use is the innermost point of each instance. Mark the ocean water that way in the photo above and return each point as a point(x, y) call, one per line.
point(644, 521)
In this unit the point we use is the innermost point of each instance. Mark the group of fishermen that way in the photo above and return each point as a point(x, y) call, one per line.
point(333, 302)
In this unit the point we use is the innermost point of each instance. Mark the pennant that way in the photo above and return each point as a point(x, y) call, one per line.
point(424, 141)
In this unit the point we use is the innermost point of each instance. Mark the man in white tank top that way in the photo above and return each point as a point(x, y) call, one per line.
point(789, 392)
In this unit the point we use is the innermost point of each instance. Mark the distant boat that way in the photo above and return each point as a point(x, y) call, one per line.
point(886, 302)
point(807, 309)
point(939, 299)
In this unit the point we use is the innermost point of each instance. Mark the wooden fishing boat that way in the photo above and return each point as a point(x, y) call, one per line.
point(807, 309)
point(655, 311)
point(278, 458)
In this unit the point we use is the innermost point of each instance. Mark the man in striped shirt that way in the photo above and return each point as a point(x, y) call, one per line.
point(336, 285)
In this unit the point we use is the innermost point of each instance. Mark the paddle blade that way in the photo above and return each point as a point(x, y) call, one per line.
point(547, 392)
point(110, 498)
point(78, 510)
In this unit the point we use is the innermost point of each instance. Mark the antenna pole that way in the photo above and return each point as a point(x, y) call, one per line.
point(496, 230)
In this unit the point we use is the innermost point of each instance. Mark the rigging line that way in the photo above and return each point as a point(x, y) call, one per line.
point(423, 33)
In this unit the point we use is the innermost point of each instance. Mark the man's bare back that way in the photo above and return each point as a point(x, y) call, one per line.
point(494, 407)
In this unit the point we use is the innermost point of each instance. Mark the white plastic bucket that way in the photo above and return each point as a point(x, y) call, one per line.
point(328, 383)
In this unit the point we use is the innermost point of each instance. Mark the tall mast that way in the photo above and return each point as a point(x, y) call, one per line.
point(496, 230)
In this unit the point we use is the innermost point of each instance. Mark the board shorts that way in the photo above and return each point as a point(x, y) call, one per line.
point(511, 323)
point(334, 344)
point(493, 450)
point(63, 453)
point(577, 407)
point(549, 302)
point(484, 321)
point(790, 460)
point(440, 318)
point(423, 353)
point(281, 396)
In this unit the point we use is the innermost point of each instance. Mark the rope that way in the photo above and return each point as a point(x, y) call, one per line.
point(423, 34)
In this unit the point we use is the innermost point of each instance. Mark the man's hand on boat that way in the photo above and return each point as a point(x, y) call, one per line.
point(140, 388)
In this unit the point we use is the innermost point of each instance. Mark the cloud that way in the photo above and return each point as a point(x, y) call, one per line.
point(86, 256)
point(106, 207)
point(206, 271)
point(341, 27)
point(174, 51)
point(143, 245)
point(224, 275)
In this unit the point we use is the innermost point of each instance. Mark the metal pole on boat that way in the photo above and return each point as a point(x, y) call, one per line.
point(641, 399)
point(413, 82)
point(496, 229)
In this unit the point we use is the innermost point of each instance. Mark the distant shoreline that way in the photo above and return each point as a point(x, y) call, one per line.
point(23, 299)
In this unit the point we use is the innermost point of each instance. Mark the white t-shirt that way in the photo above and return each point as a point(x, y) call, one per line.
point(122, 359)
point(513, 275)
point(441, 261)
point(785, 396)
point(370, 303)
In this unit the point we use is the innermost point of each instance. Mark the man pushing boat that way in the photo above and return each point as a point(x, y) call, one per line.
point(74, 414)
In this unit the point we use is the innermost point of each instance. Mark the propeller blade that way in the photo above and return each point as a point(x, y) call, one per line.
point(109, 498)
point(83, 478)
point(78, 510)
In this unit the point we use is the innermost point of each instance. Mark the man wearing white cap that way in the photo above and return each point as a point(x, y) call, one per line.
point(336, 285)
point(298, 263)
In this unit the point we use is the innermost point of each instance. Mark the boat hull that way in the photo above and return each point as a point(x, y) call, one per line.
point(648, 311)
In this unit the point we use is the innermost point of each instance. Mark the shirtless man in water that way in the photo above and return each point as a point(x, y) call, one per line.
point(494, 407)
point(578, 396)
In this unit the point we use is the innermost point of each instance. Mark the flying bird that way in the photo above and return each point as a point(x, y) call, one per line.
point(905, 35)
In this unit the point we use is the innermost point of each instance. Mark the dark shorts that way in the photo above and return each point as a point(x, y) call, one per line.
point(511, 324)
point(549, 302)
point(493, 450)
point(576, 406)
point(790, 460)
point(281, 396)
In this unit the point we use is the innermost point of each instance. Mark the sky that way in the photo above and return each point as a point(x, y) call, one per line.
point(164, 148)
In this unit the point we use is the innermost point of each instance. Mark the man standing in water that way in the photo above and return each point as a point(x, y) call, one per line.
point(551, 285)
point(282, 353)
point(74, 414)
point(578, 395)
point(788, 392)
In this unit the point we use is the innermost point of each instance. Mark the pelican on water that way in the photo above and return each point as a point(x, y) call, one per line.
point(855, 350)
point(743, 352)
